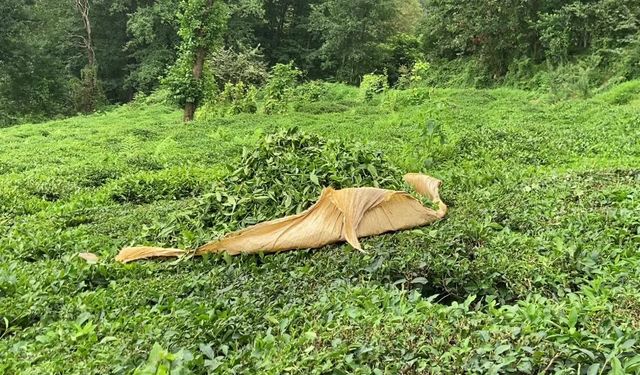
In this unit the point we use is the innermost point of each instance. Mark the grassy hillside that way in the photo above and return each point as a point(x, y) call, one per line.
point(536, 268)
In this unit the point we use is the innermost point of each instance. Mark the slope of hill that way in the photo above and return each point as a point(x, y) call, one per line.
point(535, 268)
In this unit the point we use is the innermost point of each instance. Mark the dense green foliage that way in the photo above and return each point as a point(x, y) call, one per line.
point(202, 24)
point(279, 89)
point(153, 36)
point(234, 99)
point(354, 33)
point(528, 110)
point(570, 48)
point(535, 267)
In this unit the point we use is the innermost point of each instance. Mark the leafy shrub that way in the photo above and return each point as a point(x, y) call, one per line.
point(420, 70)
point(432, 131)
point(49, 188)
point(6, 119)
point(318, 97)
point(144, 163)
point(317, 108)
point(97, 176)
point(371, 85)
point(460, 72)
point(404, 50)
point(341, 92)
point(577, 26)
point(525, 74)
point(234, 99)
point(391, 101)
point(573, 80)
point(535, 269)
point(161, 361)
point(159, 96)
point(279, 89)
point(418, 74)
point(181, 84)
point(622, 93)
point(238, 98)
point(627, 63)
point(312, 91)
point(86, 93)
point(291, 167)
point(16, 202)
point(395, 100)
point(233, 66)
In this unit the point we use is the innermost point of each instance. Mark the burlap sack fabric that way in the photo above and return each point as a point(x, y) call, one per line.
point(338, 215)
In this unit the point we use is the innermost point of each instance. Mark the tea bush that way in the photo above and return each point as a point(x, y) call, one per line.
point(318, 108)
point(317, 97)
point(622, 94)
point(234, 99)
point(279, 89)
point(371, 85)
point(415, 76)
point(146, 187)
point(312, 91)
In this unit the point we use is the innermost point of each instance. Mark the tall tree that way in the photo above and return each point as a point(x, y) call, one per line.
point(82, 6)
point(33, 54)
point(109, 34)
point(284, 34)
point(353, 34)
point(245, 18)
point(202, 26)
point(152, 45)
point(89, 94)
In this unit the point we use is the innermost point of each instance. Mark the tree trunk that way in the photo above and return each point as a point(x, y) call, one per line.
point(198, 66)
point(83, 8)
point(189, 111)
point(89, 98)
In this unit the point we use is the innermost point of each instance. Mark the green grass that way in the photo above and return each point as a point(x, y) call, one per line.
point(536, 266)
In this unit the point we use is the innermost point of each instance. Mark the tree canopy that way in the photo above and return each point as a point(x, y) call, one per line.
point(43, 63)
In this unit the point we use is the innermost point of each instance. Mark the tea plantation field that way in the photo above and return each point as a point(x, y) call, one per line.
point(535, 269)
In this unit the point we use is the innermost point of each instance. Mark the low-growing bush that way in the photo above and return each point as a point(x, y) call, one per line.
point(312, 91)
point(318, 108)
point(94, 177)
point(533, 270)
point(144, 162)
point(622, 93)
point(318, 97)
point(159, 96)
point(234, 99)
point(372, 85)
point(575, 80)
point(280, 87)
point(395, 100)
point(16, 202)
point(415, 76)
point(233, 66)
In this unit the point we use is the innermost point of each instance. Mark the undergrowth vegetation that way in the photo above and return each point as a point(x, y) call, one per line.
point(536, 267)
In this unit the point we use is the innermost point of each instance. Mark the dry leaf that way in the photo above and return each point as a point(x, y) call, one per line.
point(91, 258)
point(338, 215)
point(129, 254)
